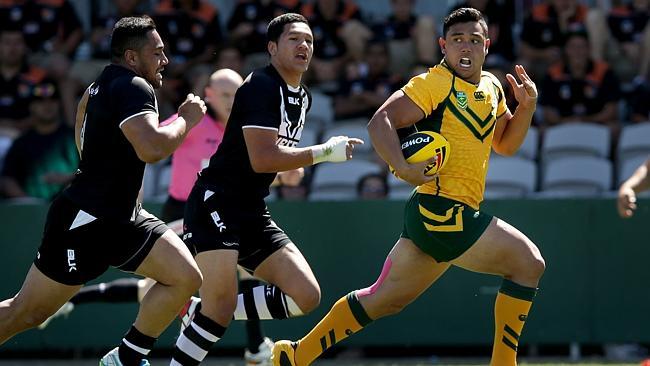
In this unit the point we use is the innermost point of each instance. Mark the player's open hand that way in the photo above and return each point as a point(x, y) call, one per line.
point(192, 110)
point(526, 92)
point(349, 147)
point(626, 202)
point(414, 173)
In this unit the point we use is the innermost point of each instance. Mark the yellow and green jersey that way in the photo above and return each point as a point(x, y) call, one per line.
point(465, 114)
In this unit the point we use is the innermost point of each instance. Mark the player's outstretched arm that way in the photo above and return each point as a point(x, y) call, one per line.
point(638, 182)
point(153, 142)
point(266, 156)
point(511, 129)
point(398, 111)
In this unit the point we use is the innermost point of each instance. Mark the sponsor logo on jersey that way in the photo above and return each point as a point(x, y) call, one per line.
point(217, 221)
point(72, 266)
point(94, 89)
point(462, 99)
point(479, 96)
point(293, 100)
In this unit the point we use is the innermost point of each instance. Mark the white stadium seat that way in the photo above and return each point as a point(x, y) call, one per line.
point(510, 177)
point(352, 128)
point(634, 142)
point(576, 139)
point(579, 176)
point(530, 147)
point(338, 181)
point(321, 111)
point(628, 167)
point(398, 189)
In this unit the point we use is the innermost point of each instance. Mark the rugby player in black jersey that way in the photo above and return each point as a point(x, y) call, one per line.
point(226, 219)
point(97, 222)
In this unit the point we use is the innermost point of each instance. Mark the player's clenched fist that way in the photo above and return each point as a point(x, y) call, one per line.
point(192, 109)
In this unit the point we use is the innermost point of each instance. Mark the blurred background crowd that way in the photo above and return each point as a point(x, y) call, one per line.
point(590, 60)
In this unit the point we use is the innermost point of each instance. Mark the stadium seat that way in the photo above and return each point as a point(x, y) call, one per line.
point(352, 128)
point(575, 139)
point(510, 177)
point(530, 147)
point(5, 144)
point(634, 142)
point(398, 189)
point(577, 176)
point(339, 181)
point(321, 111)
point(627, 167)
point(309, 136)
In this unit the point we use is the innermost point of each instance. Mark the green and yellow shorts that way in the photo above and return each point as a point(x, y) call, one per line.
point(441, 227)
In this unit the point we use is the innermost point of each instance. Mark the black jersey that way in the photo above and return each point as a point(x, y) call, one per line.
point(263, 101)
point(110, 172)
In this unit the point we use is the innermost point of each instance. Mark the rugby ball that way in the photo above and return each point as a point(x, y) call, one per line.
point(423, 145)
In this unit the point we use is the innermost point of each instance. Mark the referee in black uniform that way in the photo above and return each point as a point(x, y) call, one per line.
point(226, 220)
point(97, 221)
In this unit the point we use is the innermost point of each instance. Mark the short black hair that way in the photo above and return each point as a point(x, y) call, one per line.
point(276, 26)
point(464, 15)
point(130, 33)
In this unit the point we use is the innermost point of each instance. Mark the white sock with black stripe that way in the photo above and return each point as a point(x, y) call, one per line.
point(265, 302)
point(194, 343)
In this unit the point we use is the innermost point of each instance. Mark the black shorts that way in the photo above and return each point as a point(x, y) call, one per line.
point(77, 247)
point(216, 219)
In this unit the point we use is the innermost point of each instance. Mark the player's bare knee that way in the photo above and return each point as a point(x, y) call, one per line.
point(536, 267)
point(309, 300)
point(190, 280)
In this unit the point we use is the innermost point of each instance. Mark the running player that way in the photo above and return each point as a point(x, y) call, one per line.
point(97, 222)
point(226, 220)
point(638, 182)
point(442, 222)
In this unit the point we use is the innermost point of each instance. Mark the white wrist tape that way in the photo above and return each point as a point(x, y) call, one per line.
point(334, 150)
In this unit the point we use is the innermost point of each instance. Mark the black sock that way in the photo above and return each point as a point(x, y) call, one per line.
point(134, 347)
point(254, 335)
point(253, 327)
point(122, 290)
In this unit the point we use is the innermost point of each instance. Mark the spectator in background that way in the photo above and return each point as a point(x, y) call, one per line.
point(102, 23)
point(230, 57)
point(544, 30)
point(639, 106)
point(372, 187)
point(42, 161)
point(500, 17)
point(192, 32)
point(90, 63)
point(411, 38)
point(623, 38)
point(339, 35)
point(579, 88)
point(52, 32)
point(366, 85)
point(16, 80)
point(247, 27)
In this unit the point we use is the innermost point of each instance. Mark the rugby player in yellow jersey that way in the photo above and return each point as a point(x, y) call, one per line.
point(442, 222)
